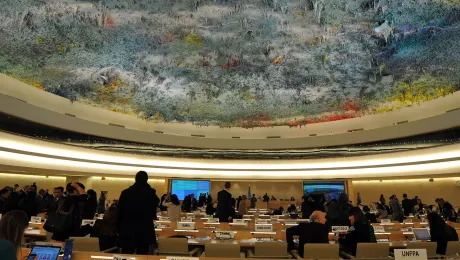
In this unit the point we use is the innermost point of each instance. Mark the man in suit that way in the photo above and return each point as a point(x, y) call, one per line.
point(193, 203)
point(40, 199)
point(23, 193)
point(53, 202)
point(137, 210)
point(407, 205)
point(225, 209)
point(314, 232)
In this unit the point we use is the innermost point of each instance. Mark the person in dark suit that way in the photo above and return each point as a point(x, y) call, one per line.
point(41, 201)
point(89, 210)
point(441, 233)
point(370, 216)
point(193, 204)
point(23, 193)
point(314, 232)
point(4, 194)
point(55, 201)
point(137, 210)
point(361, 232)
point(407, 205)
point(29, 203)
point(224, 204)
point(306, 209)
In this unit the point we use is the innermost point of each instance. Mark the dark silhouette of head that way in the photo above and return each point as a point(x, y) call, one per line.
point(142, 177)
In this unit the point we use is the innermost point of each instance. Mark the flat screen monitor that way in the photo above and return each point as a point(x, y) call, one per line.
point(421, 234)
point(45, 252)
point(330, 189)
point(183, 188)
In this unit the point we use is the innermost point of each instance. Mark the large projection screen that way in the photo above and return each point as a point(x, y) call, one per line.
point(183, 188)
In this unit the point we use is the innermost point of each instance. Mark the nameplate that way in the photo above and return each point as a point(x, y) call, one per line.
point(190, 215)
point(412, 254)
point(212, 220)
point(264, 227)
point(240, 221)
point(385, 221)
point(38, 243)
point(262, 221)
point(181, 258)
point(340, 229)
point(225, 235)
point(186, 219)
point(186, 225)
point(275, 218)
point(36, 220)
point(290, 221)
point(411, 214)
point(90, 222)
point(163, 219)
point(379, 229)
point(119, 257)
point(406, 221)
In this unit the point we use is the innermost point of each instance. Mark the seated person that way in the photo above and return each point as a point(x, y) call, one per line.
point(292, 199)
point(370, 216)
point(278, 211)
point(314, 232)
point(360, 233)
point(441, 233)
point(292, 209)
point(382, 212)
point(106, 229)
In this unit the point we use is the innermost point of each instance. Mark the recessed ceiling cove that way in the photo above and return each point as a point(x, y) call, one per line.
point(236, 63)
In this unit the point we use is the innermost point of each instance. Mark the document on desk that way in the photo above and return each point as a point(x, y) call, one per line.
point(248, 241)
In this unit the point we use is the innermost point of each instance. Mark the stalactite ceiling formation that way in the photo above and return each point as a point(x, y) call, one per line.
point(235, 63)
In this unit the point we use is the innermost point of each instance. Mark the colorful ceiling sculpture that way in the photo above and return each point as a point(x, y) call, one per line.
point(244, 63)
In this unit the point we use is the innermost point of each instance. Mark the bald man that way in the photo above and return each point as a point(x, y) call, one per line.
point(314, 232)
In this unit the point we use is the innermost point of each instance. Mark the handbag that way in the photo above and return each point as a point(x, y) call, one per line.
point(59, 221)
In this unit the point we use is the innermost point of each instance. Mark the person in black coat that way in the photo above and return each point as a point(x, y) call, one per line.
point(106, 229)
point(23, 193)
point(29, 204)
point(407, 205)
point(360, 232)
point(89, 210)
point(10, 204)
point(225, 209)
point(4, 194)
point(441, 233)
point(337, 214)
point(370, 216)
point(137, 210)
point(73, 203)
point(314, 232)
point(306, 208)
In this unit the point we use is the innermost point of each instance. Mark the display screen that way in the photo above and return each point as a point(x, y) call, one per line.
point(183, 188)
point(331, 190)
point(45, 252)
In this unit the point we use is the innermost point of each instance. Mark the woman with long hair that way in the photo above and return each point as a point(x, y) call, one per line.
point(360, 231)
point(441, 233)
point(12, 227)
point(174, 209)
point(106, 229)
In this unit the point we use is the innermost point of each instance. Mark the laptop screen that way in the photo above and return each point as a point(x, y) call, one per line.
point(421, 234)
point(46, 252)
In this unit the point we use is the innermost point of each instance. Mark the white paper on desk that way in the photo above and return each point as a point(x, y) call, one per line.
point(181, 258)
point(385, 221)
point(163, 219)
point(90, 222)
point(379, 229)
point(186, 225)
point(36, 220)
point(264, 227)
point(212, 220)
point(225, 234)
point(240, 221)
point(118, 257)
point(262, 221)
point(33, 232)
point(412, 254)
point(248, 241)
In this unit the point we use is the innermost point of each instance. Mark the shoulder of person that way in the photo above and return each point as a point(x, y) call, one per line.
point(7, 249)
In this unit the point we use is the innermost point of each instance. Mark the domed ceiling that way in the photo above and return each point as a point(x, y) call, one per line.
point(244, 63)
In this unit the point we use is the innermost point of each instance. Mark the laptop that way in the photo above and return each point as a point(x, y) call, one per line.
point(421, 234)
point(45, 252)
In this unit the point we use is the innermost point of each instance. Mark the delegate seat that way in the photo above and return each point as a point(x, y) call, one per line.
point(85, 244)
point(370, 251)
point(321, 251)
point(175, 246)
point(429, 246)
point(269, 250)
point(453, 249)
point(223, 250)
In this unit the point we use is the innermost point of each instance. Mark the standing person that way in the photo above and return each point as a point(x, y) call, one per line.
point(73, 204)
point(172, 204)
point(12, 227)
point(358, 199)
point(15, 187)
point(238, 201)
point(419, 206)
point(163, 199)
point(28, 204)
point(10, 204)
point(224, 204)
point(23, 193)
point(396, 208)
point(441, 233)
point(306, 208)
point(337, 214)
point(4, 194)
point(243, 206)
point(382, 212)
point(266, 198)
point(415, 201)
point(193, 203)
point(253, 201)
point(58, 197)
point(89, 209)
point(101, 203)
point(382, 199)
point(106, 229)
point(40, 200)
point(137, 210)
point(407, 205)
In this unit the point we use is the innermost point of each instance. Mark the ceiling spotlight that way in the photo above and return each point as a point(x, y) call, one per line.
point(103, 179)
point(431, 180)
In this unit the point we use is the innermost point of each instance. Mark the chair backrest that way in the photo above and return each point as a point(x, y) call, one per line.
point(174, 245)
point(321, 251)
point(226, 250)
point(453, 248)
point(86, 244)
point(270, 249)
point(429, 246)
point(372, 250)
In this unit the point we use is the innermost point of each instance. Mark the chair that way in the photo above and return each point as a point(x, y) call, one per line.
point(175, 246)
point(269, 250)
point(429, 246)
point(85, 244)
point(370, 251)
point(453, 249)
point(223, 250)
point(321, 251)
